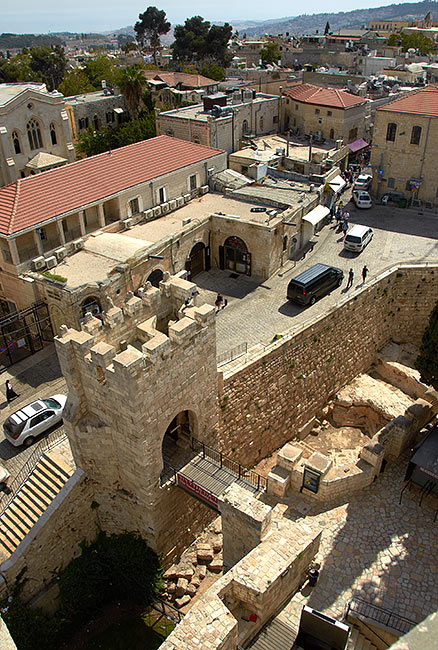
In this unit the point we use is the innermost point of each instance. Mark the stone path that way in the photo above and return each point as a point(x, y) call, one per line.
point(372, 548)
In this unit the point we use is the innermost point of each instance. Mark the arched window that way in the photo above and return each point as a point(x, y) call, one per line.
point(16, 141)
point(332, 134)
point(96, 123)
point(244, 127)
point(416, 135)
point(34, 134)
point(53, 134)
point(391, 131)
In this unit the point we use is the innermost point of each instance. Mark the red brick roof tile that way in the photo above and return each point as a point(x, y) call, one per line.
point(35, 199)
point(418, 102)
point(310, 94)
point(174, 78)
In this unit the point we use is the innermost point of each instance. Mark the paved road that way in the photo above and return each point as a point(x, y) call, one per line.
point(258, 311)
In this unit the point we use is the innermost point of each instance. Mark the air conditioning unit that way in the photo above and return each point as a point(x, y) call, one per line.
point(128, 223)
point(157, 211)
point(148, 214)
point(204, 189)
point(179, 201)
point(186, 198)
point(164, 208)
point(61, 253)
point(210, 171)
point(39, 263)
point(78, 244)
point(172, 204)
point(51, 262)
point(339, 144)
point(186, 221)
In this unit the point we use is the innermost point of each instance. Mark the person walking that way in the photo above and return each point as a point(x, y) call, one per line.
point(218, 302)
point(350, 278)
point(10, 392)
point(364, 274)
point(344, 227)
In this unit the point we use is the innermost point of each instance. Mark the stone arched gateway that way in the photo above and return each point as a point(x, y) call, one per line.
point(91, 304)
point(234, 256)
point(176, 442)
point(198, 260)
point(155, 277)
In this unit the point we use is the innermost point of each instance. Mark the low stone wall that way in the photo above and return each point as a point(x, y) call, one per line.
point(265, 403)
point(259, 584)
point(54, 540)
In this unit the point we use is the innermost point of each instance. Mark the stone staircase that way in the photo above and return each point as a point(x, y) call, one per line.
point(43, 484)
point(357, 641)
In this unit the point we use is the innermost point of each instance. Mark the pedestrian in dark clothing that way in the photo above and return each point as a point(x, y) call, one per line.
point(10, 392)
point(350, 278)
point(344, 227)
point(364, 274)
point(219, 302)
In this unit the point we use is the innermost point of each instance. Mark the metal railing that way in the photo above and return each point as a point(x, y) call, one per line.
point(28, 467)
point(260, 483)
point(167, 610)
point(380, 615)
point(230, 355)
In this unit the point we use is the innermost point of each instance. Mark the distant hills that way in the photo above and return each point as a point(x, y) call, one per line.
point(352, 19)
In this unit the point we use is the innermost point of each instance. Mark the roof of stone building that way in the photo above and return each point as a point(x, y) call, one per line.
point(310, 94)
point(418, 102)
point(174, 78)
point(32, 200)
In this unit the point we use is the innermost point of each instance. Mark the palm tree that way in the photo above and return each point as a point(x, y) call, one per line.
point(132, 83)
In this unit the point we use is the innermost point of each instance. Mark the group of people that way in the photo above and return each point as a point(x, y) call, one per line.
point(342, 217)
point(351, 277)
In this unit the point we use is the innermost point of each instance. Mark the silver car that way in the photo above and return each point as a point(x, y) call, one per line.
point(23, 426)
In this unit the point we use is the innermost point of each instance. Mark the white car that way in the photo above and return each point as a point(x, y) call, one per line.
point(4, 475)
point(357, 238)
point(362, 182)
point(362, 199)
point(23, 426)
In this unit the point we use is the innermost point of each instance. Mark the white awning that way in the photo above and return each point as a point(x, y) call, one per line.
point(316, 215)
point(337, 183)
point(119, 110)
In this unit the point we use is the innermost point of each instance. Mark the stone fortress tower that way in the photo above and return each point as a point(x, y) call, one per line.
point(142, 380)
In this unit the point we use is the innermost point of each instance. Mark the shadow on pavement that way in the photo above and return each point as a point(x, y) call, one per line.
point(220, 281)
point(288, 308)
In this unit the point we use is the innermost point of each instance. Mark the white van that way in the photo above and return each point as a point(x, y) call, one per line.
point(357, 238)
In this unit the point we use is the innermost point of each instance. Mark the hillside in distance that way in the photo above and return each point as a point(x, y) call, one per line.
point(353, 19)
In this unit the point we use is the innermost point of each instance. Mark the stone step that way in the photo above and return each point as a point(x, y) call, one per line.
point(48, 480)
point(11, 515)
point(57, 464)
point(13, 532)
point(27, 504)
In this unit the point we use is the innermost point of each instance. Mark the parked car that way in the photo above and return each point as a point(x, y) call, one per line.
point(4, 475)
point(314, 283)
point(392, 197)
point(23, 426)
point(357, 238)
point(362, 182)
point(362, 199)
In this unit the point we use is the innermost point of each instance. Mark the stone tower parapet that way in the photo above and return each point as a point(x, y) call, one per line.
point(130, 375)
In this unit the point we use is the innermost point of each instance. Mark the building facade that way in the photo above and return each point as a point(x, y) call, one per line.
point(405, 146)
point(34, 131)
point(98, 109)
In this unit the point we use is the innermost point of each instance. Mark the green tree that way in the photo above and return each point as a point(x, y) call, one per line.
point(416, 41)
point(150, 26)
point(327, 28)
point(136, 130)
point(213, 71)
point(17, 69)
point(75, 82)
point(270, 53)
point(427, 360)
point(100, 68)
point(197, 40)
point(49, 63)
point(132, 83)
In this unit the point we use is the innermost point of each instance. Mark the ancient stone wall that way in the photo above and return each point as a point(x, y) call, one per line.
point(268, 401)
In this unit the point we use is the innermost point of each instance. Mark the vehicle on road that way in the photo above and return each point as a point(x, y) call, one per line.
point(4, 475)
point(29, 422)
point(362, 199)
point(314, 283)
point(392, 197)
point(362, 182)
point(357, 238)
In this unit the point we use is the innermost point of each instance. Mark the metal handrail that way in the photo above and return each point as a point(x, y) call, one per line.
point(243, 473)
point(381, 615)
point(28, 467)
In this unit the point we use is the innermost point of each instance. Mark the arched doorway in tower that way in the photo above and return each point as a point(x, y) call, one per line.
point(155, 277)
point(91, 304)
point(198, 260)
point(234, 256)
point(176, 446)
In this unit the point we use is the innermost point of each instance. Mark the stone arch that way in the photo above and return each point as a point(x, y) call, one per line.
point(176, 442)
point(91, 304)
point(57, 318)
point(155, 277)
point(236, 256)
point(197, 260)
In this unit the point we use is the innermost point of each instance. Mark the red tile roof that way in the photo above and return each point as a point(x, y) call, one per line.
point(418, 102)
point(32, 200)
point(172, 79)
point(310, 94)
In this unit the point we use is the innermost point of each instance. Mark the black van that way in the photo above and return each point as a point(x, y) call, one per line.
point(317, 281)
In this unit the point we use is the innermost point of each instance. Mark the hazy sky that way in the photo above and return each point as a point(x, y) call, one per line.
point(28, 16)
